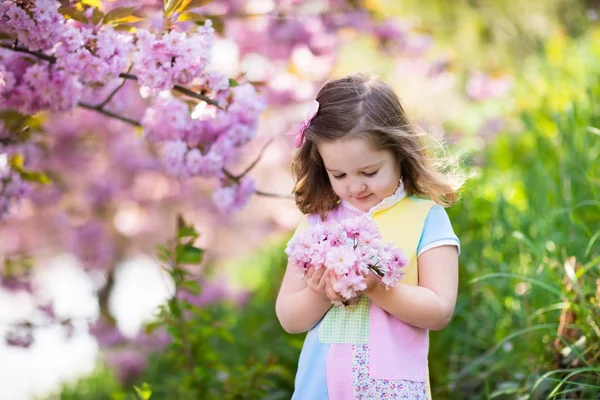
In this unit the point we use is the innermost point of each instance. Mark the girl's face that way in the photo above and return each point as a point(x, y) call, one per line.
point(358, 173)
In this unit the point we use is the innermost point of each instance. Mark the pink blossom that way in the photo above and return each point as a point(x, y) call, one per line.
point(33, 88)
point(12, 188)
point(341, 259)
point(351, 249)
point(36, 24)
point(164, 60)
point(95, 56)
point(19, 337)
point(482, 86)
point(128, 363)
point(234, 197)
point(107, 334)
point(92, 244)
point(173, 155)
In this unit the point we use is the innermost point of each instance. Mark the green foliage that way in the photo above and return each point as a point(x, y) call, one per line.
point(529, 224)
point(225, 351)
point(102, 385)
point(220, 351)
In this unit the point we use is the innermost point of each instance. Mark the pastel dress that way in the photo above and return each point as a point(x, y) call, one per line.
point(361, 351)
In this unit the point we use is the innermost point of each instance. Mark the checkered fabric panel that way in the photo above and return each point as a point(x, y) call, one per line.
point(346, 325)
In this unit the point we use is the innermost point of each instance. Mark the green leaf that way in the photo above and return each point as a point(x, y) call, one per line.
point(144, 392)
point(174, 308)
point(192, 286)
point(92, 3)
point(164, 255)
point(35, 176)
point(187, 231)
point(126, 20)
point(118, 13)
point(217, 21)
point(16, 162)
point(233, 82)
point(73, 14)
point(97, 16)
point(152, 326)
point(188, 254)
point(171, 5)
point(187, 5)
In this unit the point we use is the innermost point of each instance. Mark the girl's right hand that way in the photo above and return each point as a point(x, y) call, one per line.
point(316, 280)
point(331, 293)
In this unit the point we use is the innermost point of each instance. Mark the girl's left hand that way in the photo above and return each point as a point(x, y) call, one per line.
point(372, 281)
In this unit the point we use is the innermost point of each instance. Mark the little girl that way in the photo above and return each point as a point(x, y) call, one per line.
point(358, 155)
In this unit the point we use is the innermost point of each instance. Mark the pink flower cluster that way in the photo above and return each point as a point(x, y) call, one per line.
point(92, 245)
point(31, 88)
point(94, 55)
point(201, 143)
point(12, 187)
point(351, 249)
point(481, 86)
point(172, 58)
point(36, 24)
point(234, 197)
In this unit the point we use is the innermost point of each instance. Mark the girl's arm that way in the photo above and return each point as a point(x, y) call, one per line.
point(429, 305)
point(300, 305)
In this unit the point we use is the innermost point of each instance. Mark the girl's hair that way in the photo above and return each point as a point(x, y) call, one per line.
point(363, 106)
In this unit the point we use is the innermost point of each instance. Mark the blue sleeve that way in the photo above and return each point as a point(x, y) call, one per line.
point(437, 231)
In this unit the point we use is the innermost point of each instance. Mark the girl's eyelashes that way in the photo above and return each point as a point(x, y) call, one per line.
point(340, 176)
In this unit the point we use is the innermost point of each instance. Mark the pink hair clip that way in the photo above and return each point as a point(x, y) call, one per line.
point(312, 111)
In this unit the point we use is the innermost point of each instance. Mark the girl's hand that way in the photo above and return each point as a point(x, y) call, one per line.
point(316, 280)
point(331, 293)
point(372, 281)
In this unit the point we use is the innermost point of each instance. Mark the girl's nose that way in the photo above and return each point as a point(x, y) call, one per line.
point(357, 188)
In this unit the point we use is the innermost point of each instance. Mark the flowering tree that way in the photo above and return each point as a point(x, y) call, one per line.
point(113, 111)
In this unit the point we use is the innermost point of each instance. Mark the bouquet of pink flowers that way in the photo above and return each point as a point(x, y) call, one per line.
point(350, 249)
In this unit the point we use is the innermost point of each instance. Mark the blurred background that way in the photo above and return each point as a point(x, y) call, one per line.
point(512, 87)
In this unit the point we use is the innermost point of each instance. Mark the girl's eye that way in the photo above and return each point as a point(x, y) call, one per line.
point(370, 173)
point(340, 176)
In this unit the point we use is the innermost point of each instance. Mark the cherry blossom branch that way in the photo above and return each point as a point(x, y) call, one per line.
point(124, 75)
point(251, 166)
point(128, 76)
point(238, 178)
point(112, 94)
point(234, 178)
point(108, 113)
point(21, 49)
point(179, 89)
point(9, 139)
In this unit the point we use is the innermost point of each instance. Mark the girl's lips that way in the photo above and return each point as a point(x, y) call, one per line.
point(363, 198)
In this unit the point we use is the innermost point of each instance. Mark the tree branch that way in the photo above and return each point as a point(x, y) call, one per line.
point(247, 170)
point(227, 173)
point(10, 137)
point(112, 94)
point(127, 76)
point(21, 49)
point(108, 113)
point(124, 75)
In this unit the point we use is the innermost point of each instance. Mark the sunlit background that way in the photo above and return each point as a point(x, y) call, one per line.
point(512, 87)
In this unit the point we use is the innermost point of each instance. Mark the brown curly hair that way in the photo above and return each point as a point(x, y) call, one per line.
point(364, 106)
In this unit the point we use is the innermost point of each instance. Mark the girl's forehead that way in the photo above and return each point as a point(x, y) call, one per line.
point(352, 153)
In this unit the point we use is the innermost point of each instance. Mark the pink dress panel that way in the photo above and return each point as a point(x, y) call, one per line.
point(338, 372)
point(397, 350)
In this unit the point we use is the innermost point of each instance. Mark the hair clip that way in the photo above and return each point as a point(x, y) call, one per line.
point(312, 111)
